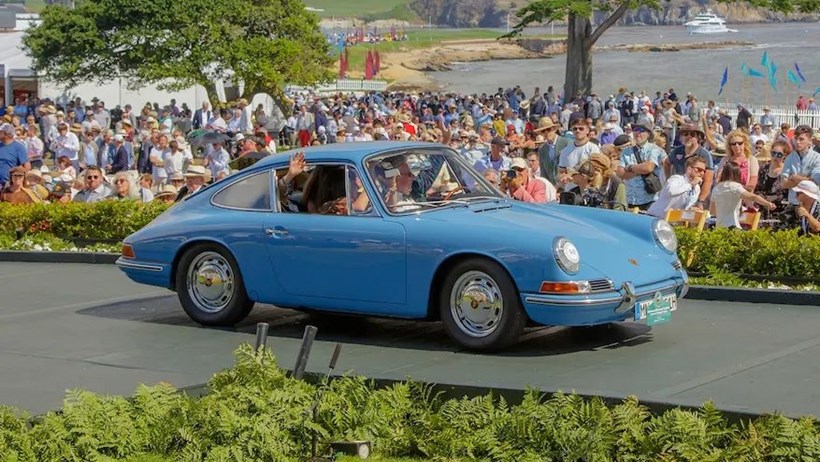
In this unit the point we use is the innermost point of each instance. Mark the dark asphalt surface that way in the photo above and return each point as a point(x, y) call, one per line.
point(64, 326)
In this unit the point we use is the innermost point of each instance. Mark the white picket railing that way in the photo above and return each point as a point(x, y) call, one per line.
point(351, 85)
point(782, 114)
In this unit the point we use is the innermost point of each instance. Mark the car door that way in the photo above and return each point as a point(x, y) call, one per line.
point(334, 260)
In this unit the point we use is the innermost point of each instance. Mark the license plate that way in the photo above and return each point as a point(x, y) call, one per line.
point(657, 310)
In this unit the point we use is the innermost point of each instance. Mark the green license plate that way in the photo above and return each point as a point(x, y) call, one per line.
point(657, 310)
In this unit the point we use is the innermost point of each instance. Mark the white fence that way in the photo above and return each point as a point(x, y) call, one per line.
point(782, 114)
point(344, 86)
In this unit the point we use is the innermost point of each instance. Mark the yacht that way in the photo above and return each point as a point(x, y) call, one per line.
point(707, 23)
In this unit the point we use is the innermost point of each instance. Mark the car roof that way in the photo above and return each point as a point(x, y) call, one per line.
point(353, 152)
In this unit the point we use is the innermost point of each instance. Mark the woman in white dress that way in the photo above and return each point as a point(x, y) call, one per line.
point(728, 195)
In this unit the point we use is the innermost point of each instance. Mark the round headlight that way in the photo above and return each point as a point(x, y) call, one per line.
point(566, 254)
point(665, 236)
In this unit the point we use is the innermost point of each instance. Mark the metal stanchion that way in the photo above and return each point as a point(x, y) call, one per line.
point(304, 351)
point(261, 335)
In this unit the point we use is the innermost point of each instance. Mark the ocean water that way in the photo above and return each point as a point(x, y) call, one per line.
point(696, 71)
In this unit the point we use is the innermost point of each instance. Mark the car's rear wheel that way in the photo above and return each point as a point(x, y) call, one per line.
point(210, 287)
point(479, 306)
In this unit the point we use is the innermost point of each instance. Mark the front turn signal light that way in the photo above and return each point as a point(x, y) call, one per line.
point(128, 251)
point(580, 287)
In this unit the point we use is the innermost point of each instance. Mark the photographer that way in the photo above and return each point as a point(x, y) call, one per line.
point(640, 169)
point(518, 184)
point(597, 185)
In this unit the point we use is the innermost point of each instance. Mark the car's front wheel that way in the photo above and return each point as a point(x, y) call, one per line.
point(479, 306)
point(210, 287)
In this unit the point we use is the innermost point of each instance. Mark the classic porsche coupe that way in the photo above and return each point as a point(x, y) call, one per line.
point(409, 230)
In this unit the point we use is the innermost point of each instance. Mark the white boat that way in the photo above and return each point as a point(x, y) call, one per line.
point(707, 23)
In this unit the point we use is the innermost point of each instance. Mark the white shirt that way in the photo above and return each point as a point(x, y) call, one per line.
point(727, 196)
point(677, 193)
point(157, 155)
point(573, 155)
point(173, 162)
point(67, 145)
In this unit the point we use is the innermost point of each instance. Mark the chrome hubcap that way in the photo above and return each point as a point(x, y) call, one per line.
point(210, 282)
point(476, 304)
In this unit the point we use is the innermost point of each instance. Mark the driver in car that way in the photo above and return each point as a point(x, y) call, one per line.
point(397, 177)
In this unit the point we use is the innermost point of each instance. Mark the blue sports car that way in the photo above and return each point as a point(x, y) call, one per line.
point(406, 230)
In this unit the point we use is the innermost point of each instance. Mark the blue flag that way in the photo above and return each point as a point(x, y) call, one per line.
point(764, 61)
point(744, 69)
point(793, 78)
point(816, 91)
point(755, 73)
point(724, 80)
point(799, 74)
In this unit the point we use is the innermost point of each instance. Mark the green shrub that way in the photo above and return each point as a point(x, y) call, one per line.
point(254, 412)
point(107, 220)
point(762, 252)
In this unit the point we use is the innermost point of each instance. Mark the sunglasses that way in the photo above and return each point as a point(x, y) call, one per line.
point(737, 143)
point(92, 177)
point(778, 154)
point(578, 129)
point(700, 169)
point(120, 181)
point(640, 130)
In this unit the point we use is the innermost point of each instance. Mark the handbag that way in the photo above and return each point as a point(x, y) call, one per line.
point(651, 182)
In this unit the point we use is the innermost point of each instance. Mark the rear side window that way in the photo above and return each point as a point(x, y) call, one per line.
point(251, 193)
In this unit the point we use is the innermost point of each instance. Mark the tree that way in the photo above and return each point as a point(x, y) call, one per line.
point(178, 43)
point(582, 36)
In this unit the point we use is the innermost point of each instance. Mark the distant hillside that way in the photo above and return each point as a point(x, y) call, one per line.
point(493, 13)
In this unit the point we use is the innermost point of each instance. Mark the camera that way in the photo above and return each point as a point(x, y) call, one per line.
point(589, 198)
point(511, 174)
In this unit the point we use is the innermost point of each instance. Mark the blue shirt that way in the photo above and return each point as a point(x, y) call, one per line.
point(501, 165)
point(11, 155)
point(635, 187)
point(808, 165)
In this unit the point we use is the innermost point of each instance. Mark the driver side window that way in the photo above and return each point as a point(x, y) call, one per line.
point(326, 189)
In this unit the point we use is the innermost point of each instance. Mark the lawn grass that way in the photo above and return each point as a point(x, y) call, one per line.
point(416, 39)
point(354, 8)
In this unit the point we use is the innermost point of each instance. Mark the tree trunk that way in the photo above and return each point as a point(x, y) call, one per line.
point(579, 57)
point(213, 97)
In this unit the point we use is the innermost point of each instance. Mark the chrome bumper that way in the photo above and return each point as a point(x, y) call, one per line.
point(625, 300)
point(125, 263)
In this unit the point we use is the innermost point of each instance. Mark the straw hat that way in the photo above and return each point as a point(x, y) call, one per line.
point(196, 171)
point(167, 190)
point(545, 123)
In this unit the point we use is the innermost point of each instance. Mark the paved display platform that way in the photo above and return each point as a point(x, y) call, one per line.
point(74, 325)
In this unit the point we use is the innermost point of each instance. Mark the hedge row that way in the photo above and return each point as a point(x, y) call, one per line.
point(763, 252)
point(254, 412)
point(107, 220)
point(774, 254)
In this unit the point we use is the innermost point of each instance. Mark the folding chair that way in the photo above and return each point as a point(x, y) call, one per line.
point(689, 218)
point(750, 219)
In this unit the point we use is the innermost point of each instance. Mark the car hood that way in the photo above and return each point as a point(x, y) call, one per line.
point(617, 245)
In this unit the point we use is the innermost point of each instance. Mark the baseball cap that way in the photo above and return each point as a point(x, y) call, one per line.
point(518, 163)
point(622, 140)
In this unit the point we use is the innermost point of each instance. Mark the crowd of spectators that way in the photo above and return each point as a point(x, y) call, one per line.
point(628, 152)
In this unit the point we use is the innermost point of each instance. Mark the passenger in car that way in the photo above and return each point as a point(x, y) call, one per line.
point(326, 183)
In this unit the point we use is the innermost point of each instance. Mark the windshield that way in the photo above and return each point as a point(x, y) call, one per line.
point(424, 179)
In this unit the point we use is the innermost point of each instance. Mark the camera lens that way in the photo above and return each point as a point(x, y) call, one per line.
point(511, 174)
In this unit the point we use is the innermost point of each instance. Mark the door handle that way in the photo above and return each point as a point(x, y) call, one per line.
point(277, 232)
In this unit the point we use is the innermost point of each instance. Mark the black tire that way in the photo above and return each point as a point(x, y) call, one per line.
point(486, 279)
point(232, 304)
